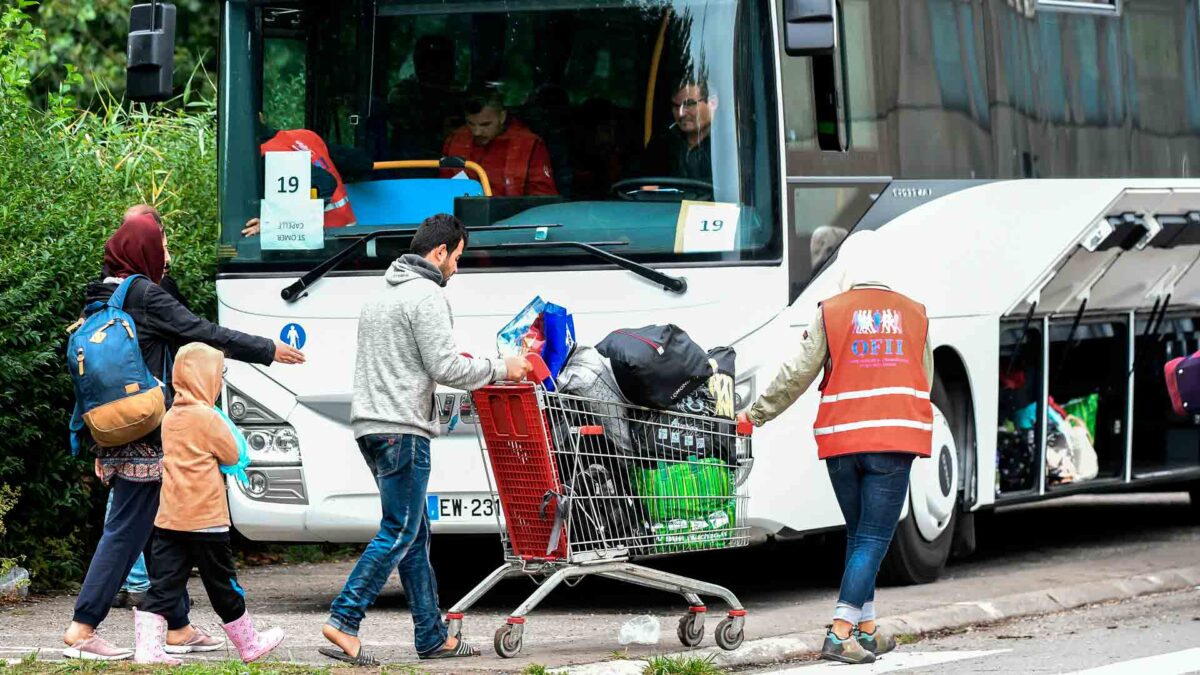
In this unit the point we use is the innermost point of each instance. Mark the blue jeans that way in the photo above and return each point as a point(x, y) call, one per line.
point(871, 489)
point(400, 464)
point(138, 580)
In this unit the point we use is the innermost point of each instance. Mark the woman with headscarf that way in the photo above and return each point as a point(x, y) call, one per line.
point(874, 418)
point(135, 470)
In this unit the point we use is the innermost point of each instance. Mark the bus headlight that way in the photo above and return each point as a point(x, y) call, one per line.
point(245, 410)
point(272, 446)
point(270, 441)
point(743, 392)
point(237, 408)
point(258, 485)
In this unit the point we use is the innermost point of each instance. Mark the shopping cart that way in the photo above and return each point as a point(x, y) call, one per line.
point(586, 486)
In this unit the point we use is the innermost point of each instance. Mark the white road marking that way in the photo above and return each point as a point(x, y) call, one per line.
point(1175, 663)
point(895, 661)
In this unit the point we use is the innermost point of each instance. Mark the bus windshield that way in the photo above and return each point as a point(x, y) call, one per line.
point(645, 125)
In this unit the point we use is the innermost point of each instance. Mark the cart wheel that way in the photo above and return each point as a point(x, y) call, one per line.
point(729, 635)
point(507, 645)
point(691, 629)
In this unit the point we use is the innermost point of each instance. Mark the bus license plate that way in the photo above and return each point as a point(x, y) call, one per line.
point(463, 508)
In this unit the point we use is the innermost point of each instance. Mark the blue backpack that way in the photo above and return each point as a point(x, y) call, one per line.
point(116, 397)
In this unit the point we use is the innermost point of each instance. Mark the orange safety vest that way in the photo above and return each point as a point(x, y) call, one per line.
point(514, 172)
point(337, 210)
point(875, 396)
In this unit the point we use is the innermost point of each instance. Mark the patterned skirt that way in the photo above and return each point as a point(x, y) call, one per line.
point(137, 462)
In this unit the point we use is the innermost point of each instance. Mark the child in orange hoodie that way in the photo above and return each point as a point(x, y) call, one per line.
point(192, 527)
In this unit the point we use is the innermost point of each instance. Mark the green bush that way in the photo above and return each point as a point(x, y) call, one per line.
point(66, 177)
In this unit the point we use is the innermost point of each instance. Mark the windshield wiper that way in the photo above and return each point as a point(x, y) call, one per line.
point(668, 282)
point(296, 290)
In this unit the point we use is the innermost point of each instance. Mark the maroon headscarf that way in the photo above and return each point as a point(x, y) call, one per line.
point(136, 248)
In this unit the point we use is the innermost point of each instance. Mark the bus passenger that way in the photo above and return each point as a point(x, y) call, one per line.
point(874, 418)
point(684, 150)
point(405, 350)
point(516, 160)
point(191, 528)
point(135, 470)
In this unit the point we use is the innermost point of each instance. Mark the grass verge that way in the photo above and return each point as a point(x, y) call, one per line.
point(682, 665)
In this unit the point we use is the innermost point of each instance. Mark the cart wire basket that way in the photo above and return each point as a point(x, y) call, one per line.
point(587, 486)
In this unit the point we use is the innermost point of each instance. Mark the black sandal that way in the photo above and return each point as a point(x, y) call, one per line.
point(462, 650)
point(364, 657)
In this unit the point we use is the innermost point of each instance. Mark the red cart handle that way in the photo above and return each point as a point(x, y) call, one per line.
point(745, 428)
point(541, 372)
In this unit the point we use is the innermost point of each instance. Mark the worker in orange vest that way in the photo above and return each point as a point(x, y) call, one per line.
point(326, 178)
point(516, 160)
point(874, 419)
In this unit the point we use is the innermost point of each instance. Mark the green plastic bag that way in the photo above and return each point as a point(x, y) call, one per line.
point(1085, 409)
point(686, 490)
point(691, 505)
point(681, 534)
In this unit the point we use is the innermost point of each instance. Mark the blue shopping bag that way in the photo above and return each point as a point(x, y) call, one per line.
point(559, 328)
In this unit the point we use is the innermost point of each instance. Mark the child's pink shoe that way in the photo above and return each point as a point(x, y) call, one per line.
point(149, 638)
point(251, 644)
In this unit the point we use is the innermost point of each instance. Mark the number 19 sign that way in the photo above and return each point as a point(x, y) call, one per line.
point(706, 227)
point(288, 175)
point(290, 219)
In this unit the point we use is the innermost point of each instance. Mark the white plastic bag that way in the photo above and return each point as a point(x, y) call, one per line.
point(640, 630)
point(1083, 452)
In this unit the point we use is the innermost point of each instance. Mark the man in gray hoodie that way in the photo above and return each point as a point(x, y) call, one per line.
point(405, 349)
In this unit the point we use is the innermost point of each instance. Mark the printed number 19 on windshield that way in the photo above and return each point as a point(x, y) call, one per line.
point(712, 225)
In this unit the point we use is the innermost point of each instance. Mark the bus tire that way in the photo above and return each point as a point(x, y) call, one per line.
point(1194, 494)
point(912, 557)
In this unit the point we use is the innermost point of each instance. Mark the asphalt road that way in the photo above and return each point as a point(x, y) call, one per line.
point(786, 587)
point(1155, 635)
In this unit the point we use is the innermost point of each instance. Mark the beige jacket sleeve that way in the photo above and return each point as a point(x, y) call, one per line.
point(797, 375)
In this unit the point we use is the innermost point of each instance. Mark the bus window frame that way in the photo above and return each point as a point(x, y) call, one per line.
point(801, 272)
point(1109, 8)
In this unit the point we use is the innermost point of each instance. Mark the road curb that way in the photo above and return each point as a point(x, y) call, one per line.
point(767, 651)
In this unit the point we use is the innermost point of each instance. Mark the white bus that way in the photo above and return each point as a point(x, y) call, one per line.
point(1028, 162)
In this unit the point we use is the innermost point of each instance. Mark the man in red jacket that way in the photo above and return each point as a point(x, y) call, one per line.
point(516, 159)
point(874, 418)
point(326, 178)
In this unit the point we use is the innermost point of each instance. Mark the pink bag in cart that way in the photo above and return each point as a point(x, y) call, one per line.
point(1183, 383)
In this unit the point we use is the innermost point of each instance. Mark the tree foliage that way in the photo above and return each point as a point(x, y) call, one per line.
point(90, 35)
point(66, 175)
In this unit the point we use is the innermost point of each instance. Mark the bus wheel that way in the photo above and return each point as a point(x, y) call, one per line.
point(921, 547)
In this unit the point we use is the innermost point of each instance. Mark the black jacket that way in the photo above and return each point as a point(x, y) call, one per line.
point(164, 325)
point(668, 155)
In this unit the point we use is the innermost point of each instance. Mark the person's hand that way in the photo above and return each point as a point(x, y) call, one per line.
point(744, 418)
point(287, 354)
point(518, 368)
point(253, 226)
point(99, 471)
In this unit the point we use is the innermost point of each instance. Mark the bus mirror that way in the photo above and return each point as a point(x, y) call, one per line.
point(832, 107)
point(150, 69)
point(810, 27)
